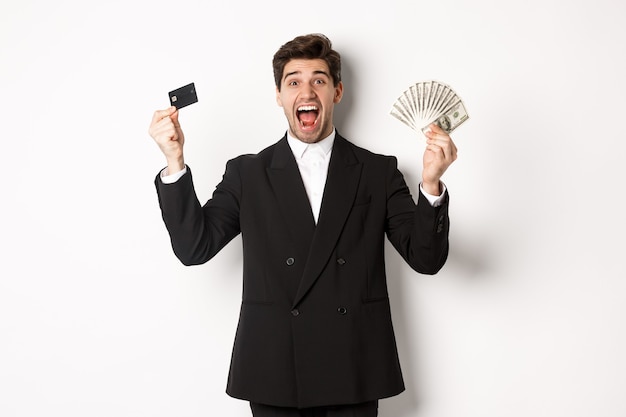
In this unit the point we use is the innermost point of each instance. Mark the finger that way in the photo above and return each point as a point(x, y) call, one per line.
point(174, 117)
point(437, 137)
point(436, 150)
point(434, 127)
point(167, 118)
point(164, 129)
point(161, 114)
point(437, 132)
point(442, 139)
point(159, 126)
point(446, 149)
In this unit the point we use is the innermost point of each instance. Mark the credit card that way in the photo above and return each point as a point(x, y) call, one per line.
point(183, 96)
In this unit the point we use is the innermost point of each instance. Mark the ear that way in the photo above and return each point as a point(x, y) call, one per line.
point(278, 100)
point(338, 92)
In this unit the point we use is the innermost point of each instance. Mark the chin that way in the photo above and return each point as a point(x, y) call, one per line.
point(306, 137)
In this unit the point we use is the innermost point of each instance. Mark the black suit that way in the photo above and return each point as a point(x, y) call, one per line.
point(315, 326)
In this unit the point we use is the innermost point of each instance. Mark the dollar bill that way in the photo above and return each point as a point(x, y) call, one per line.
point(429, 101)
point(401, 114)
point(451, 118)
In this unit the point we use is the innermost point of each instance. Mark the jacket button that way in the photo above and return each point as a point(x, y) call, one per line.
point(341, 261)
point(342, 310)
point(295, 312)
point(290, 261)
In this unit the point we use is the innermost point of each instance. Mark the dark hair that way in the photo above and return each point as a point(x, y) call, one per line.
point(312, 46)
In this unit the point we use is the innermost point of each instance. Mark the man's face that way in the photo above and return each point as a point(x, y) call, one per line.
point(307, 96)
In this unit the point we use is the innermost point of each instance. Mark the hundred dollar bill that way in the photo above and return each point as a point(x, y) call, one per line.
point(451, 118)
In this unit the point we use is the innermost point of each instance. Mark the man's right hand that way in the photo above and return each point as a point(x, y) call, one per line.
point(166, 132)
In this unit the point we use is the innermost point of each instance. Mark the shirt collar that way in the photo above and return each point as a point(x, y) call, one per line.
point(298, 147)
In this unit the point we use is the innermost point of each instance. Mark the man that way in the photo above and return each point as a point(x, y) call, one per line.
point(315, 336)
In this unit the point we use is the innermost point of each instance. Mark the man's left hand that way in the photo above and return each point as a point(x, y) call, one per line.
point(440, 153)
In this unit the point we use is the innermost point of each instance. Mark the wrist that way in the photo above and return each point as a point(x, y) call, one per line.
point(432, 188)
point(175, 165)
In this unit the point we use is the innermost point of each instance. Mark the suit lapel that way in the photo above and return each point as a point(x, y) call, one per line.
point(290, 193)
point(344, 173)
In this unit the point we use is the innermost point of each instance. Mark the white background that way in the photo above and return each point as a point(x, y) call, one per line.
point(98, 318)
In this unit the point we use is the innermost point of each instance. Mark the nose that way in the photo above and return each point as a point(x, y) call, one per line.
point(308, 91)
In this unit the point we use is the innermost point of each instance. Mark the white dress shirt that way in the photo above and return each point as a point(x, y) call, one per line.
point(312, 160)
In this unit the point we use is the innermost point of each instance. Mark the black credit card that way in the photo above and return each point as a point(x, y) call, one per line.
point(183, 96)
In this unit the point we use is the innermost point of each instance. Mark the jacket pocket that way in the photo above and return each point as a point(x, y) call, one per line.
point(370, 300)
point(256, 302)
point(362, 201)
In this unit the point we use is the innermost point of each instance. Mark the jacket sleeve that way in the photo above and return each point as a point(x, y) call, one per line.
point(418, 232)
point(198, 233)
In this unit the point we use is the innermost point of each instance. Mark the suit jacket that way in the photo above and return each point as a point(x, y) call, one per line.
point(315, 324)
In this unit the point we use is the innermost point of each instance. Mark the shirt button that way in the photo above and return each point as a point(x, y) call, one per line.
point(342, 310)
point(295, 312)
point(290, 261)
point(341, 261)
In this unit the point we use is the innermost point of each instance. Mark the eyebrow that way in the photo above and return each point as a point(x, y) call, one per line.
point(316, 72)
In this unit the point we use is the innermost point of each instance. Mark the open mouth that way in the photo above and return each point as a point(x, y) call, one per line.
point(307, 116)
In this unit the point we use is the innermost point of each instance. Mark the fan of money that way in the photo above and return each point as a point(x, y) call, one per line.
point(430, 102)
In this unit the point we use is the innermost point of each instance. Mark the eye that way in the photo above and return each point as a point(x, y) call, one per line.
point(319, 81)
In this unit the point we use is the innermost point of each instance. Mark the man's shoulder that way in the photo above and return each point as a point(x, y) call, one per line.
point(263, 156)
point(362, 153)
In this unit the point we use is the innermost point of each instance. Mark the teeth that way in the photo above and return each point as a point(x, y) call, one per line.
point(307, 108)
